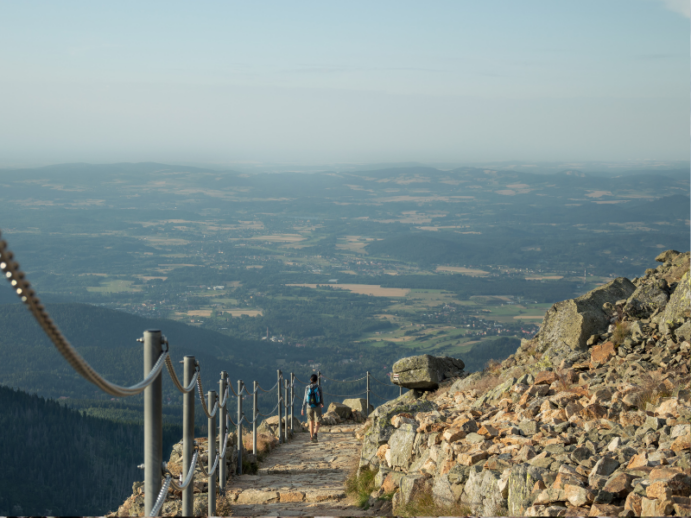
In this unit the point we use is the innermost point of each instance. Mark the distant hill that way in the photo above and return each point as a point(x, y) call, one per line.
point(107, 339)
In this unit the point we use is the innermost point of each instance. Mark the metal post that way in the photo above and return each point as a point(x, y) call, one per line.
point(153, 422)
point(222, 468)
point(254, 420)
point(188, 436)
point(292, 399)
point(367, 408)
point(285, 409)
point(211, 481)
point(400, 391)
point(319, 378)
point(280, 436)
point(239, 427)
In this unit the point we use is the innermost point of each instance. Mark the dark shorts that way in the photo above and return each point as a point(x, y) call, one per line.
point(314, 414)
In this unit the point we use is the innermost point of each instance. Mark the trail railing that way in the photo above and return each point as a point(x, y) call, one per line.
point(157, 477)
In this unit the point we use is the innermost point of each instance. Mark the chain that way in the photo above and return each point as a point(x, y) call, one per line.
point(155, 510)
point(190, 475)
point(22, 287)
point(343, 381)
point(212, 414)
point(344, 395)
point(382, 383)
point(176, 380)
point(269, 390)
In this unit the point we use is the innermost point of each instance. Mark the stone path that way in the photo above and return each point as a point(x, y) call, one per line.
point(301, 478)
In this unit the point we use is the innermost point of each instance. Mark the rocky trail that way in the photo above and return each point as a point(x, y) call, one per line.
point(301, 478)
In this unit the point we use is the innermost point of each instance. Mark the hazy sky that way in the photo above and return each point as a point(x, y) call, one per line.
point(312, 82)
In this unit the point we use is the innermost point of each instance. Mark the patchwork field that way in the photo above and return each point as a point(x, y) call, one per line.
point(362, 289)
point(465, 271)
point(114, 286)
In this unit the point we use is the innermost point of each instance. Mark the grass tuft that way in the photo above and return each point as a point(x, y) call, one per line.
point(360, 486)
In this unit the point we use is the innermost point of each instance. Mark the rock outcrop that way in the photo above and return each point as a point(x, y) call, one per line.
point(426, 372)
point(570, 323)
point(590, 418)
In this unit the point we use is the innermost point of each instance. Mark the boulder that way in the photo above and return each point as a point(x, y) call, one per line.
point(413, 485)
point(522, 479)
point(667, 256)
point(380, 428)
point(359, 404)
point(679, 303)
point(573, 321)
point(401, 446)
point(483, 495)
point(425, 372)
point(341, 410)
point(647, 299)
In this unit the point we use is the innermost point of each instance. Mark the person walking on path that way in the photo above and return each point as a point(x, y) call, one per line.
point(314, 401)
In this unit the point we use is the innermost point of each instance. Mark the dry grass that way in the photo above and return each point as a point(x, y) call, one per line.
point(493, 367)
point(650, 390)
point(422, 504)
point(487, 382)
point(564, 383)
point(265, 443)
point(621, 332)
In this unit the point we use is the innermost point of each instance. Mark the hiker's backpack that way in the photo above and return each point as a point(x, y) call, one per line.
point(313, 399)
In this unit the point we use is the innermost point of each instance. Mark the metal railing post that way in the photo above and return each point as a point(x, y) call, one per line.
point(254, 420)
point(280, 436)
point(239, 427)
point(292, 399)
point(285, 409)
point(188, 436)
point(211, 479)
point(222, 468)
point(153, 422)
point(319, 378)
point(400, 391)
point(367, 407)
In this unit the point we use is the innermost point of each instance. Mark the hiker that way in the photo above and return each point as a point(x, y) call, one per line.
point(314, 401)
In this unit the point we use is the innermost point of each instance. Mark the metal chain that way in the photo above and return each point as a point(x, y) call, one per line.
point(372, 393)
point(270, 412)
point(345, 395)
point(155, 510)
point(298, 379)
point(176, 380)
point(269, 390)
point(209, 415)
point(190, 475)
point(224, 400)
point(343, 381)
point(382, 383)
point(22, 287)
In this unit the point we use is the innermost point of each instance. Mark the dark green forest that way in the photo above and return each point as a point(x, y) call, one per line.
point(57, 461)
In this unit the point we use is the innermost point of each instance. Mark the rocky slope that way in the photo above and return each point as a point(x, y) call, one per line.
point(590, 417)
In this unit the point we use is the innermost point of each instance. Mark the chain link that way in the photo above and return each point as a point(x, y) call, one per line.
point(343, 381)
point(209, 415)
point(190, 475)
point(22, 288)
point(155, 510)
point(176, 380)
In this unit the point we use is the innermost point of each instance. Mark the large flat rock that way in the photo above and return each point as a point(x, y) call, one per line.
point(425, 372)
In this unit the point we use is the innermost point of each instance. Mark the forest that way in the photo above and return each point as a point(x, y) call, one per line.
point(56, 461)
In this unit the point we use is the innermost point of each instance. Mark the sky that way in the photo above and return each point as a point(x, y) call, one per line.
point(323, 82)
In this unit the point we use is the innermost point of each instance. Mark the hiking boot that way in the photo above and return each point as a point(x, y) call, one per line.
point(313, 438)
point(316, 437)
